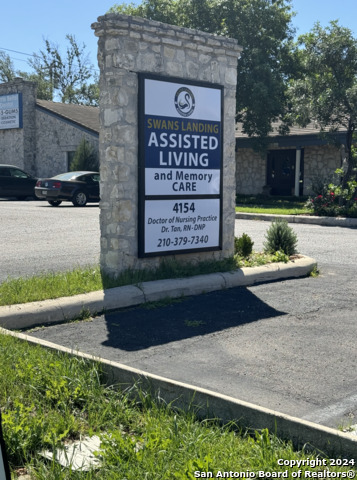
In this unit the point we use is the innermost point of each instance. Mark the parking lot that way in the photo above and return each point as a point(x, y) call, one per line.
point(36, 237)
point(287, 345)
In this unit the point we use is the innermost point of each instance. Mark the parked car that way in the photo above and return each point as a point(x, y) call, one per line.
point(14, 182)
point(76, 187)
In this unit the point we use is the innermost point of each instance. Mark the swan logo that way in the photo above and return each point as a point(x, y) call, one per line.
point(184, 101)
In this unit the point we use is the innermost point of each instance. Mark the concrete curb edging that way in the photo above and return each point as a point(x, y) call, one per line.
point(330, 442)
point(27, 315)
point(307, 219)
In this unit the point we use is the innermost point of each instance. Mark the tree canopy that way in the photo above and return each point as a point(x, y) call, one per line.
point(7, 71)
point(68, 77)
point(327, 89)
point(262, 27)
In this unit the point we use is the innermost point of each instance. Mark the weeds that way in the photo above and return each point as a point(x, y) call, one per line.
point(50, 285)
point(314, 272)
point(85, 280)
point(48, 399)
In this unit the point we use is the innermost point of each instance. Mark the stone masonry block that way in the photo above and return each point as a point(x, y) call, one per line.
point(127, 46)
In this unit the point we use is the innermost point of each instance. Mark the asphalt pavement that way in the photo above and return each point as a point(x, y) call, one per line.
point(289, 345)
point(37, 238)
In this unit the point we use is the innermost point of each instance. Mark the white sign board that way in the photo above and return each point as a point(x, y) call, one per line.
point(180, 168)
point(10, 111)
point(181, 224)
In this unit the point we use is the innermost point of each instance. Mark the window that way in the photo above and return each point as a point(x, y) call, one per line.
point(18, 173)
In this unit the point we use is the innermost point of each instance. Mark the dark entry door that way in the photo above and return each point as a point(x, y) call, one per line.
point(281, 171)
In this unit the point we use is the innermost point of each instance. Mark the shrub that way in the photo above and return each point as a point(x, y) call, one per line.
point(334, 203)
point(243, 246)
point(280, 237)
point(325, 204)
point(85, 157)
point(336, 198)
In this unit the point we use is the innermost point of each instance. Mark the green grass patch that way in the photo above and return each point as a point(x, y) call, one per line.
point(50, 285)
point(89, 279)
point(272, 204)
point(273, 210)
point(48, 399)
point(84, 280)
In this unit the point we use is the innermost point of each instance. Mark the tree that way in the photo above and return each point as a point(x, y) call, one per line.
point(8, 74)
point(85, 157)
point(7, 71)
point(262, 28)
point(327, 90)
point(44, 90)
point(68, 75)
point(88, 93)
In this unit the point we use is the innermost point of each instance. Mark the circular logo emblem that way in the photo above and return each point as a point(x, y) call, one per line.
point(184, 101)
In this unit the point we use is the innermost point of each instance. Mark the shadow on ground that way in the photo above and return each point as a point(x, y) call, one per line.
point(157, 324)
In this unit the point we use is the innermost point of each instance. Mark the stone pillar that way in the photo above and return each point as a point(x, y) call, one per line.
point(128, 46)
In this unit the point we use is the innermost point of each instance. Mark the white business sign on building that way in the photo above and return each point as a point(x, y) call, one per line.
point(180, 167)
point(11, 111)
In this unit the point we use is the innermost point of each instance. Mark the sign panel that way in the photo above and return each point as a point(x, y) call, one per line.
point(180, 171)
point(181, 224)
point(11, 111)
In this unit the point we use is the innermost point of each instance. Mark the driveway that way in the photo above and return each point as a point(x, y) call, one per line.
point(36, 237)
point(289, 346)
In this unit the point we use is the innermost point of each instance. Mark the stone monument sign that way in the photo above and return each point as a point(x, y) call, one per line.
point(166, 143)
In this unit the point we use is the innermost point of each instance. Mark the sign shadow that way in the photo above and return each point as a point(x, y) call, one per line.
point(159, 323)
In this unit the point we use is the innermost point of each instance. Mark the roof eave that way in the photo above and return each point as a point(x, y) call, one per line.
point(304, 140)
point(67, 120)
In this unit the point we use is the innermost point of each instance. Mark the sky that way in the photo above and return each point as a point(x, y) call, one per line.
point(25, 24)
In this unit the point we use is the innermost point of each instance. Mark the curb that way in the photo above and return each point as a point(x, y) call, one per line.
point(15, 317)
point(206, 403)
point(307, 219)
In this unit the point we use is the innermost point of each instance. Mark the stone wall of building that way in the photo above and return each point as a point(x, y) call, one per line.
point(250, 171)
point(320, 162)
point(18, 144)
point(55, 138)
point(126, 46)
point(41, 146)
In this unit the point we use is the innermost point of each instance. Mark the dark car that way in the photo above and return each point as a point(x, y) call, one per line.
point(14, 182)
point(76, 187)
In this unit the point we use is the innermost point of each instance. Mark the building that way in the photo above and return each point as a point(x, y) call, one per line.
point(42, 136)
point(292, 164)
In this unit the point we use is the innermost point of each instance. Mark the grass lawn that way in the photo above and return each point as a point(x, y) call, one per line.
point(272, 204)
point(90, 279)
point(48, 399)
